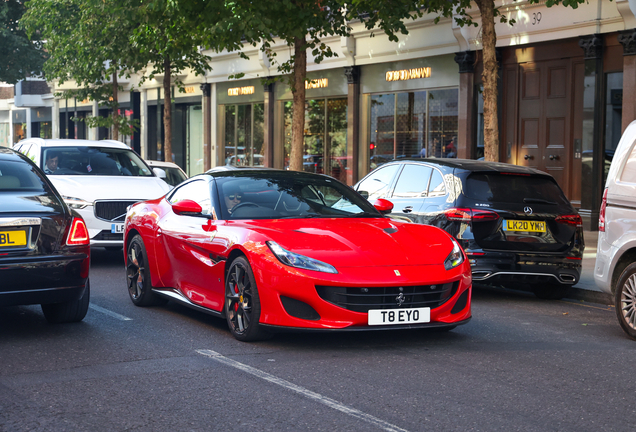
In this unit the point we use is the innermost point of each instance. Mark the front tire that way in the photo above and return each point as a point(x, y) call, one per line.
point(625, 300)
point(242, 303)
point(73, 311)
point(138, 275)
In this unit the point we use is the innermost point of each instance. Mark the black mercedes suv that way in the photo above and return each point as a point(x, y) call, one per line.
point(515, 224)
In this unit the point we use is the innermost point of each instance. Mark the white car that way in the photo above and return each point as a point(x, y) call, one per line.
point(615, 268)
point(99, 179)
point(174, 173)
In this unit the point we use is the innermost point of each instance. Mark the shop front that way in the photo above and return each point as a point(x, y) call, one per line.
point(409, 109)
point(241, 117)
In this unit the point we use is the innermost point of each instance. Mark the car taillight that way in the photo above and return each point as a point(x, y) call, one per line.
point(78, 234)
point(574, 220)
point(470, 214)
point(601, 216)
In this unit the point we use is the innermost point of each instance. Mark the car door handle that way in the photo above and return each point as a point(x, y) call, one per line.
point(407, 209)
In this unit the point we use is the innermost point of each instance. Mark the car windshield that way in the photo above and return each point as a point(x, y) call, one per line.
point(100, 161)
point(286, 195)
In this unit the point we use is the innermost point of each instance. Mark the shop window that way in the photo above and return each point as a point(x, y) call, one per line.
point(413, 124)
point(244, 134)
point(323, 140)
point(613, 117)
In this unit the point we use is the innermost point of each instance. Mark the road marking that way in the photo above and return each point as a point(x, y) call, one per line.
point(331, 403)
point(110, 313)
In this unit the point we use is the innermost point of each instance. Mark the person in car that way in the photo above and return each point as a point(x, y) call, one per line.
point(52, 160)
point(233, 198)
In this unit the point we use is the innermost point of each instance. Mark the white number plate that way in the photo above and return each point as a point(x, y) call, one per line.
point(399, 316)
point(117, 228)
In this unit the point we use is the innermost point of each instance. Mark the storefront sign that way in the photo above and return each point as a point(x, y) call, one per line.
point(238, 91)
point(317, 83)
point(189, 89)
point(407, 74)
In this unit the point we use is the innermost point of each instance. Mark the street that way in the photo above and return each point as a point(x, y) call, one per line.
point(520, 364)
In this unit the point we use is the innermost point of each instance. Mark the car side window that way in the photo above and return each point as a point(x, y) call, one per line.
point(629, 171)
point(413, 181)
point(379, 182)
point(437, 186)
point(197, 191)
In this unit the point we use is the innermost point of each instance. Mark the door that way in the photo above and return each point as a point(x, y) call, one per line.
point(545, 132)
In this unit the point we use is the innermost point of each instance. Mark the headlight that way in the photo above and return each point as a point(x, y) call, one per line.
point(455, 258)
point(300, 261)
point(76, 203)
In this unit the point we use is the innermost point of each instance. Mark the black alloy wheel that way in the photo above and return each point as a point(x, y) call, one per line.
point(625, 300)
point(242, 303)
point(138, 275)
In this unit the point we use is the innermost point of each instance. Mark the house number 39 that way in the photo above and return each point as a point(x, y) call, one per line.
point(536, 18)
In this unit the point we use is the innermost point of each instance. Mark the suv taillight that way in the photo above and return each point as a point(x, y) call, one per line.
point(601, 216)
point(78, 234)
point(574, 220)
point(470, 214)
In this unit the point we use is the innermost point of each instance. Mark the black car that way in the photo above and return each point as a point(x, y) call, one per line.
point(517, 227)
point(44, 246)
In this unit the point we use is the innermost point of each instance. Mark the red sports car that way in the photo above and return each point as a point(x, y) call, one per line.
point(271, 250)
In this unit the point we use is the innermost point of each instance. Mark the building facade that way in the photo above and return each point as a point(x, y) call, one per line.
point(566, 92)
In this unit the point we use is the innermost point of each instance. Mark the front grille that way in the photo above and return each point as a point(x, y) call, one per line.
point(362, 299)
point(107, 235)
point(112, 211)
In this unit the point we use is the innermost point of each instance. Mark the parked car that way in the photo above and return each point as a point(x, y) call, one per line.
point(517, 227)
point(98, 179)
point(44, 246)
point(275, 249)
point(615, 269)
point(174, 173)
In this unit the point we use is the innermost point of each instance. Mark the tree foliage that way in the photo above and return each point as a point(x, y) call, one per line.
point(88, 42)
point(21, 56)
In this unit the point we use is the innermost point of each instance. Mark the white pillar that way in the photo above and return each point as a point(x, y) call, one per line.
point(28, 122)
point(11, 128)
point(213, 113)
point(143, 120)
point(55, 119)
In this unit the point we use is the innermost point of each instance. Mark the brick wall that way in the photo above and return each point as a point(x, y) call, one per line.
point(6, 92)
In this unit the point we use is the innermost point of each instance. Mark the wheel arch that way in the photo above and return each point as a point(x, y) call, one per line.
point(237, 252)
point(627, 257)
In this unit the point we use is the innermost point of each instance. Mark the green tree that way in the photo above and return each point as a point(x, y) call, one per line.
point(21, 57)
point(169, 40)
point(301, 25)
point(88, 42)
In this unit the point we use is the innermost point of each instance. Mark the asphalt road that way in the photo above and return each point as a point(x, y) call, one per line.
point(521, 364)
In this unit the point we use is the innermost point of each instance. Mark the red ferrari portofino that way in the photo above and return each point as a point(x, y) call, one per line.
point(269, 249)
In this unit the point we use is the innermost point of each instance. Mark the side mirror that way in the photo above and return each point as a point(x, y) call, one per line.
point(364, 194)
point(187, 207)
point(383, 206)
point(159, 172)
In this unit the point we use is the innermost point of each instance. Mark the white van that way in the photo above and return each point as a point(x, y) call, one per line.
point(615, 269)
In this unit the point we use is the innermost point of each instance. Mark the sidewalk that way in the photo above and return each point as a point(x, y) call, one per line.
point(586, 289)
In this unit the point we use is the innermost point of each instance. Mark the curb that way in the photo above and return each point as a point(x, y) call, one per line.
point(590, 296)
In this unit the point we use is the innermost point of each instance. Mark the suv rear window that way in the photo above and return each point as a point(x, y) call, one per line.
point(19, 176)
point(513, 188)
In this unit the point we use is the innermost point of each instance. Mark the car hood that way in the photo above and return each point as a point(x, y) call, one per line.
point(91, 188)
point(359, 242)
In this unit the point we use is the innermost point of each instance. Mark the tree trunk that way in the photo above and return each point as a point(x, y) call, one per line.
point(115, 107)
point(167, 111)
point(298, 116)
point(489, 79)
